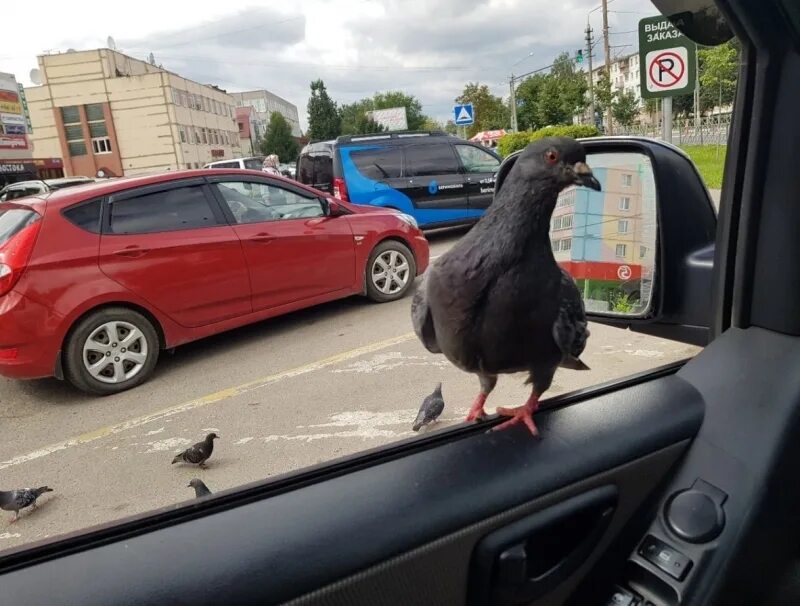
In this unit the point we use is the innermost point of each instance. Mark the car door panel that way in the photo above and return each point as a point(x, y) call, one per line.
point(636, 433)
point(289, 258)
point(434, 180)
point(479, 168)
point(194, 276)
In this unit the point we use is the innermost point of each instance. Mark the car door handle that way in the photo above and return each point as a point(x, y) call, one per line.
point(133, 252)
point(523, 561)
point(262, 238)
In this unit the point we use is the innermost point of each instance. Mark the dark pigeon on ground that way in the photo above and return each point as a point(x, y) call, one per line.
point(432, 407)
point(199, 453)
point(14, 500)
point(497, 302)
point(200, 489)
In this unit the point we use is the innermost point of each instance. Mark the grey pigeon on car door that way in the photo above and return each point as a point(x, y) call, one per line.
point(497, 302)
point(431, 409)
point(14, 500)
point(199, 453)
point(200, 489)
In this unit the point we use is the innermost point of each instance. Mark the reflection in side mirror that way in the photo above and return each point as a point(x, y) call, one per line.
point(333, 208)
point(606, 239)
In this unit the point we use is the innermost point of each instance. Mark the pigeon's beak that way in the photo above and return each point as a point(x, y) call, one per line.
point(584, 176)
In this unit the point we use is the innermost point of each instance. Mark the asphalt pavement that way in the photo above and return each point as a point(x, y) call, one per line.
point(282, 394)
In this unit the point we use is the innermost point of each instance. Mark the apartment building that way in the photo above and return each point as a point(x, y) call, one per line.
point(105, 112)
point(264, 103)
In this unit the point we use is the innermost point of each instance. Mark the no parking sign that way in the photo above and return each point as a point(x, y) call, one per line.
point(668, 59)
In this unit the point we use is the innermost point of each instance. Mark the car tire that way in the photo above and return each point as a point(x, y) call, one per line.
point(127, 339)
point(390, 261)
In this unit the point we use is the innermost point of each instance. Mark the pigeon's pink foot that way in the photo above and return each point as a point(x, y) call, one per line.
point(520, 414)
point(476, 413)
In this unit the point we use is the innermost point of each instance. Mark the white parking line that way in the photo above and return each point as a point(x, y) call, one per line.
point(212, 398)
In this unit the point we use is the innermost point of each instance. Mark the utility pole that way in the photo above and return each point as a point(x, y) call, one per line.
point(591, 76)
point(607, 52)
point(513, 101)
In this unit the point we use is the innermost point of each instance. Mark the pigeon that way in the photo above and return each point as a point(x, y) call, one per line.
point(200, 489)
point(497, 302)
point(14, 500)
point(199, 453)
point(432, 407)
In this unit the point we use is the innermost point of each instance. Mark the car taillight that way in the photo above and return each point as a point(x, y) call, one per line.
point(15, 254)
point(340, 189)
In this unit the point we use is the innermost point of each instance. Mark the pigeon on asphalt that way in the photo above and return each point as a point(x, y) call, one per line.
point(14, 500)
point(200, 489)
point(497, 302)
point(199, 453)
point(432, 407)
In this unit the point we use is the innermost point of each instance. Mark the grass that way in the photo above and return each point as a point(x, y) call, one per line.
point(709, 160)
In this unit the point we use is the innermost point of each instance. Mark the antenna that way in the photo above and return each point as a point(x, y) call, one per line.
point(36, 76)
point(110, 43)
point(152, 59)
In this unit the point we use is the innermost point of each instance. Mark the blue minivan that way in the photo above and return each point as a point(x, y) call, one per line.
point(437, 178)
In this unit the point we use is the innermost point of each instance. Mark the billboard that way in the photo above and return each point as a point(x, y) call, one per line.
point(391, 119)
point(13, 126)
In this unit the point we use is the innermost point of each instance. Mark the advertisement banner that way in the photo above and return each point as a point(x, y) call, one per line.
point(13, 125)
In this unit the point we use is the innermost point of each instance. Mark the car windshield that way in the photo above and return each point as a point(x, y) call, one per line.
point(274, 309)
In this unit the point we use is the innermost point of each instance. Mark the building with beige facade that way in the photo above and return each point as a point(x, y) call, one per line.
point(101, 110)
point(264, 104)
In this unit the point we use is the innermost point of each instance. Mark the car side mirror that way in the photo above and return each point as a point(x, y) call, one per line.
point(642, 249)
point(333, 208)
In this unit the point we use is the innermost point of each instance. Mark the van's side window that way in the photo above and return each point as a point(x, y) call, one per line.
point(476, 160)
point(424, 160)
point(379, 164)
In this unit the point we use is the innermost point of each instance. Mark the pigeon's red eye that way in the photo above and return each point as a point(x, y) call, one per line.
point(551, 156)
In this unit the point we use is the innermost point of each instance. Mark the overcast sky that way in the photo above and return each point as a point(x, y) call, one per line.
point(429, 48)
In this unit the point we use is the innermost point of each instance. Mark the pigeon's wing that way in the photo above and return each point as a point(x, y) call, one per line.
point(194, 454)
point(422, 319)
point(570, 330)
point(433, 406)
point(24, 497)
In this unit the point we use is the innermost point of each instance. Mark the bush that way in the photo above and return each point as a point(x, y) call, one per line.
point(515, 141)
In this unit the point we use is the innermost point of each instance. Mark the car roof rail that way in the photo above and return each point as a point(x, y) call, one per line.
point(394, 135)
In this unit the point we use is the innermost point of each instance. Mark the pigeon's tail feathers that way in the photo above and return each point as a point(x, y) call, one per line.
point(422, 319)
point(574, 363)
point(178, 458)
point(438, 389)
point(42, 489)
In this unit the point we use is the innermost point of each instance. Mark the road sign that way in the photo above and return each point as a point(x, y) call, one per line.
point(464, 114)
point(624, 272)
point(667, 59)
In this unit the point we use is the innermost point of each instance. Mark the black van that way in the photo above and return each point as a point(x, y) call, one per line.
point(432, 176)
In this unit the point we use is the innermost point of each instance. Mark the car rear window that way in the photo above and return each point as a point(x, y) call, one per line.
point(224, 165)
point(85, 215)
point(254, 163)
point(379, 164)
point(22, 192)
point(424, 160)
point(171, 210)
point(13, 220)
point(316, 170)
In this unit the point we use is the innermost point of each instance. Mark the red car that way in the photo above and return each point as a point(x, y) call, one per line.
point(95, 280)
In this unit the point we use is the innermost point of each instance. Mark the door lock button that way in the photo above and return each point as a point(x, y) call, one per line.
point(665, 557)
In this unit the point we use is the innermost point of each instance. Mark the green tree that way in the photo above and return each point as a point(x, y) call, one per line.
point(528, 93)
point(603, 95)
point(625, 108)
point(355, 121)
point(572, 87)
point(396, 98)
point(490, 111)
point(279, 140)
point(323, 118)
point(719, 66)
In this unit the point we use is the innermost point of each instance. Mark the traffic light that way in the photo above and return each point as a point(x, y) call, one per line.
point(579, 56)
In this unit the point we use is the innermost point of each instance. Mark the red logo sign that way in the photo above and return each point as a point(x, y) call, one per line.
point(666, 69)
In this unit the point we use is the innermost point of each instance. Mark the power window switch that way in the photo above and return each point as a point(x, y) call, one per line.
point(665, 557)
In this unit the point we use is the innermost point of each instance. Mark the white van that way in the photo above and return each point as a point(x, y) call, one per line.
point(251, 163)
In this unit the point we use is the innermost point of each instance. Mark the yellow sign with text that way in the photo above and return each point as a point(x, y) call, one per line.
point(10, 108)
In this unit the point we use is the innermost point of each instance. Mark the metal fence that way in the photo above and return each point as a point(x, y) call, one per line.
point(686, 131)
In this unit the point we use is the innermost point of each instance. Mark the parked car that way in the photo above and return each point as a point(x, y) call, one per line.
point(94, 282)
point(249, 163)
point(20, 189)
point(314, 165)
point(437, 178)
point(287, 170)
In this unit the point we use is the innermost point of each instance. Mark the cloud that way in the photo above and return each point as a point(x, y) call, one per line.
point(424, 47)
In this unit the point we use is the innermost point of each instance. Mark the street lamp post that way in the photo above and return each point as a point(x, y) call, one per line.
point(513, 93)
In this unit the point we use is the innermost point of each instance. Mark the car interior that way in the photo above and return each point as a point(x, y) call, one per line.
point(671, 487)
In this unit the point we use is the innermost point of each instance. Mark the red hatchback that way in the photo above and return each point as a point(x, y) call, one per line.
point(95, 280)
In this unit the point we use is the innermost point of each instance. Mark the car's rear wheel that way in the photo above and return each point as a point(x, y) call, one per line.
point(390, 271)
point(111, 350)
